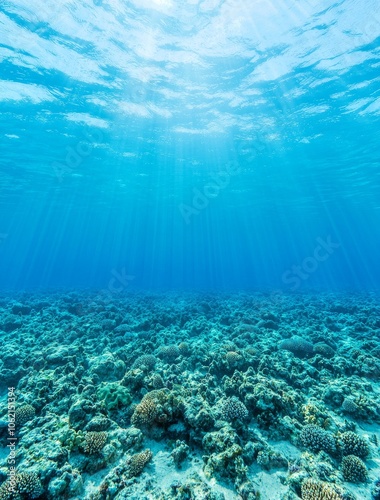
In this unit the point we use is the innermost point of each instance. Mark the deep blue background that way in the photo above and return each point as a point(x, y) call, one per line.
point(308, 175)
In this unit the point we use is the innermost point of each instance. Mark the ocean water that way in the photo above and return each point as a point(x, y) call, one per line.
point(197, 181)
point(195, 144)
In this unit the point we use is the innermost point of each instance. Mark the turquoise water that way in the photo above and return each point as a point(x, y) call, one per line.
point(194, 144)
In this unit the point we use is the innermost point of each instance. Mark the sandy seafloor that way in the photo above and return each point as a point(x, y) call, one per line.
point(191, 396)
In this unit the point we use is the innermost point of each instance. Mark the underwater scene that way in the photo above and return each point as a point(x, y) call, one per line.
point(189, 249)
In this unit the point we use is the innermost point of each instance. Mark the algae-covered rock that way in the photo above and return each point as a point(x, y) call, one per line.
point(113, 395)
point(80, 414)
point(180, 453)
point(227, 464)
point(160, 407)
point(270, 459)
point(218, 441)
point(131, 438)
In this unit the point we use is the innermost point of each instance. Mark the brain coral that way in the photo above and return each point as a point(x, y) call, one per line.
point(317, 439)
point(297, 345)
point(354, 470)
point(155, 406)
point(24, 413)
point(94, 442)
point(233, 409)
point(352, 444)
point(170, 352)
point(146, 361)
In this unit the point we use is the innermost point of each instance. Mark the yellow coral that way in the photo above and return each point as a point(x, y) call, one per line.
point(137, 462)
point(94, 442)
point(318, 490)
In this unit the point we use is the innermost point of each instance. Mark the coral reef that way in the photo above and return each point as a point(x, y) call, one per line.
point(354, 469)
point(145, 412)
point(375, 492)
point(318, 490)
point(297, 345)
point(352, 444)
point(170, 353)
point(324, 350)
point(233, 409)
point(24, 413)
point(269, 459)
point(349, 406)
point(94, 442)
point(136, 463)
point(23, 485)
point(145, 362)
point(192, 396)
point(180, 453)
point(113, 395)
point(157, 406)
point(317, 439)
